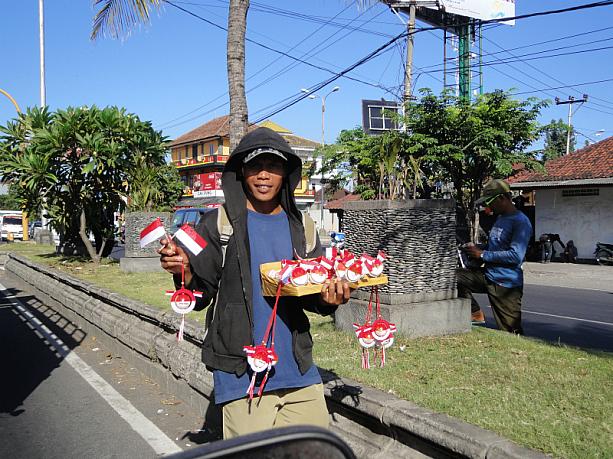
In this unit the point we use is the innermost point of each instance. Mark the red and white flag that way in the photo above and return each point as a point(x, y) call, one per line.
point(190, 239)
point(154, 231)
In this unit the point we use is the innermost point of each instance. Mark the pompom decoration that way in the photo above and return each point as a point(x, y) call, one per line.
point(299, 277)
point(378, 334)
point(318, 274)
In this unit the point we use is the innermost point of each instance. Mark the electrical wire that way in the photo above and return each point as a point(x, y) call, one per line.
point(292, 101)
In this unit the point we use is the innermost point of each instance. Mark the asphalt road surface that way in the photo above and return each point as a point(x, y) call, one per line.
point(570, 316)
point(62, 395)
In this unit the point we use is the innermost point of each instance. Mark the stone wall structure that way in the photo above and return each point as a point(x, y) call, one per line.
point(145, 259)
point(419, 238)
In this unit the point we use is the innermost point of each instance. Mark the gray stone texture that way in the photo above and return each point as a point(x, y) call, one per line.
point(140, 264)
point(373, 423)
point(419, 238)
point(135, 223)
point(428, 318)
point(417, 235)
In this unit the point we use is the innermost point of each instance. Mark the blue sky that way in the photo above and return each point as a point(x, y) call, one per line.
point(173, 71)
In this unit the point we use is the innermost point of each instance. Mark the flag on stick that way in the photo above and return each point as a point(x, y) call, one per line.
point(154, 231)
point(190, 239)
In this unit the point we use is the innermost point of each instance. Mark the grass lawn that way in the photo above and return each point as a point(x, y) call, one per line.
point(557, 399)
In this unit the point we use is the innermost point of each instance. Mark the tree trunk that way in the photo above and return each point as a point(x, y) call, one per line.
point(88, 245)
point(237, 27)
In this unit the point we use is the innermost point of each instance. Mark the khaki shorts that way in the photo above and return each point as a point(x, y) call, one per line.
point(304, 405)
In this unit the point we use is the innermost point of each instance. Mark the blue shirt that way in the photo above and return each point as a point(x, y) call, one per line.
point(506, 249)
point(269, 240)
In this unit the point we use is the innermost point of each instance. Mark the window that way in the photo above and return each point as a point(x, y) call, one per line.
point(580, 192)
point(381, 118)
point(211, 148)
point(195, 151)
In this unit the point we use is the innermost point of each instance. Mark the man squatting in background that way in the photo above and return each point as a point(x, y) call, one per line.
point(258, 182)
point(502, 277)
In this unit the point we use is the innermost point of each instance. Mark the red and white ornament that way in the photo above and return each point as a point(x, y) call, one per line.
point(299, 277)
point(364, 334)
point(318, 274)
point(354, 272)
point(260, 358)
point(383, 332)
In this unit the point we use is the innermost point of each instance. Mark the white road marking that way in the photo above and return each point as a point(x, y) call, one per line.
point(567, 317)
point(562, 317)
point(157, 439)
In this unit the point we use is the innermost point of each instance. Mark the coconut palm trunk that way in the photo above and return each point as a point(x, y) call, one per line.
point(237, 27)
point(117, 17)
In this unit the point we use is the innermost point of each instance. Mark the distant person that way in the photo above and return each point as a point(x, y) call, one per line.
point(547, 241)
point(570, 252)
point(502, 276)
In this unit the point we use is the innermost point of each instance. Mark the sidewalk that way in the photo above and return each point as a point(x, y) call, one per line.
point(570, 275)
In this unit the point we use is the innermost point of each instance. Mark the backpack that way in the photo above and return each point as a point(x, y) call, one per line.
point(225, 230)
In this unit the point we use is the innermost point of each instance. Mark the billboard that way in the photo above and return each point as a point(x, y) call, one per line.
point(379, 116)
point(481, 9)
point(477, 9)
point(207, 182)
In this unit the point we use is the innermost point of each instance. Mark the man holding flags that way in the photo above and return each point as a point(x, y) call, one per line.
point(258, 183)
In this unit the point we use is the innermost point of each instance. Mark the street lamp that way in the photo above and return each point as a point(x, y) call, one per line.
point(323, 139)
point(323, 109)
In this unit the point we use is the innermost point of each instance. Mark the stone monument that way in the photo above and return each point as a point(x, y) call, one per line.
point(419, 237)
point(135, 258)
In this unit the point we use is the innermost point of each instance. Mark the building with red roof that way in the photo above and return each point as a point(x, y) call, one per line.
point(200, 155)
point(574, 196)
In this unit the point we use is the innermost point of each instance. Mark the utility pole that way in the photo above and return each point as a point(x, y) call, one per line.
point(41, 33)
point(571, 100)
point(409, 60)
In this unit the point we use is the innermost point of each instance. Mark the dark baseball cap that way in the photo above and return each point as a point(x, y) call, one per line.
point(261, 151)
point(492, 189)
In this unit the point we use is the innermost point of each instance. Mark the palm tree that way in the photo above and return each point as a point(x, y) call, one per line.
point(117, 17)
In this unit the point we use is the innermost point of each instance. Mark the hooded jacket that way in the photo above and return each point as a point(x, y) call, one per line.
point(230, 317)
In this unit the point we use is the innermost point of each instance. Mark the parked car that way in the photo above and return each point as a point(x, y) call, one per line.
point(34, 227)
point(191, 216)
point(11, 224)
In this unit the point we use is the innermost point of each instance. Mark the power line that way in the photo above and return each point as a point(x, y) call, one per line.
point(383, 47)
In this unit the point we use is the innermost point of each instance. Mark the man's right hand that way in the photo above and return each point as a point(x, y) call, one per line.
point(173, 257)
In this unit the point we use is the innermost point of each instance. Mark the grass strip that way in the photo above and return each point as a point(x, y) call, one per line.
point(554, 398)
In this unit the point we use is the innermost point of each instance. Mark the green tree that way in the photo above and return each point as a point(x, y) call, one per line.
point(455, 141)
point(117, 17)
point(556, 134)
point(475, 141)
point(10, 200)
point(79, 165)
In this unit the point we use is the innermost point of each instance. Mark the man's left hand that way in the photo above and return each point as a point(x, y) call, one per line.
point(335, 292)
point(473, 251)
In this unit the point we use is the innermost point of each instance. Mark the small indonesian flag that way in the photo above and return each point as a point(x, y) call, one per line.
point(190, 239)
point(154, 231)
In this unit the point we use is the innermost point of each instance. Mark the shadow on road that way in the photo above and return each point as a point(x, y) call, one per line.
point(27, 358)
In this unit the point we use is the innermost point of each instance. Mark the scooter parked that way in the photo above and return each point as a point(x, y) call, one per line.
point(604, 253)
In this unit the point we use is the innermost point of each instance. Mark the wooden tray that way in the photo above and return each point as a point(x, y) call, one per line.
point(269, 285)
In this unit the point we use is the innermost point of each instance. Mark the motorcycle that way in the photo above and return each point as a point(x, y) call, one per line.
point(604, 253)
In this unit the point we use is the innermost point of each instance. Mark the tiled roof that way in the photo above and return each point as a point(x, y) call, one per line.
point(275, 127)
point(338, 203)
point(297, 141)
point(592, 162)
point(217, 127)
point(220, 127)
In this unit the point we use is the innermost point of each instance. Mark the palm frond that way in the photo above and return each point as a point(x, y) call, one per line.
point(117, 17)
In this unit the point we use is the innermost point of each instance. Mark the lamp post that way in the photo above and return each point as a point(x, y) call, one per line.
point(323, 139)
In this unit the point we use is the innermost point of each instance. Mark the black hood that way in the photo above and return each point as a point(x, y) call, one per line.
point(232, 182)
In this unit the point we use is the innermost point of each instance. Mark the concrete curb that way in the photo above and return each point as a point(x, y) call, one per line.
point(375, 424)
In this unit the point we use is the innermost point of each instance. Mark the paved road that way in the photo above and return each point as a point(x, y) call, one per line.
point(571, 316)
point(64, 395)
